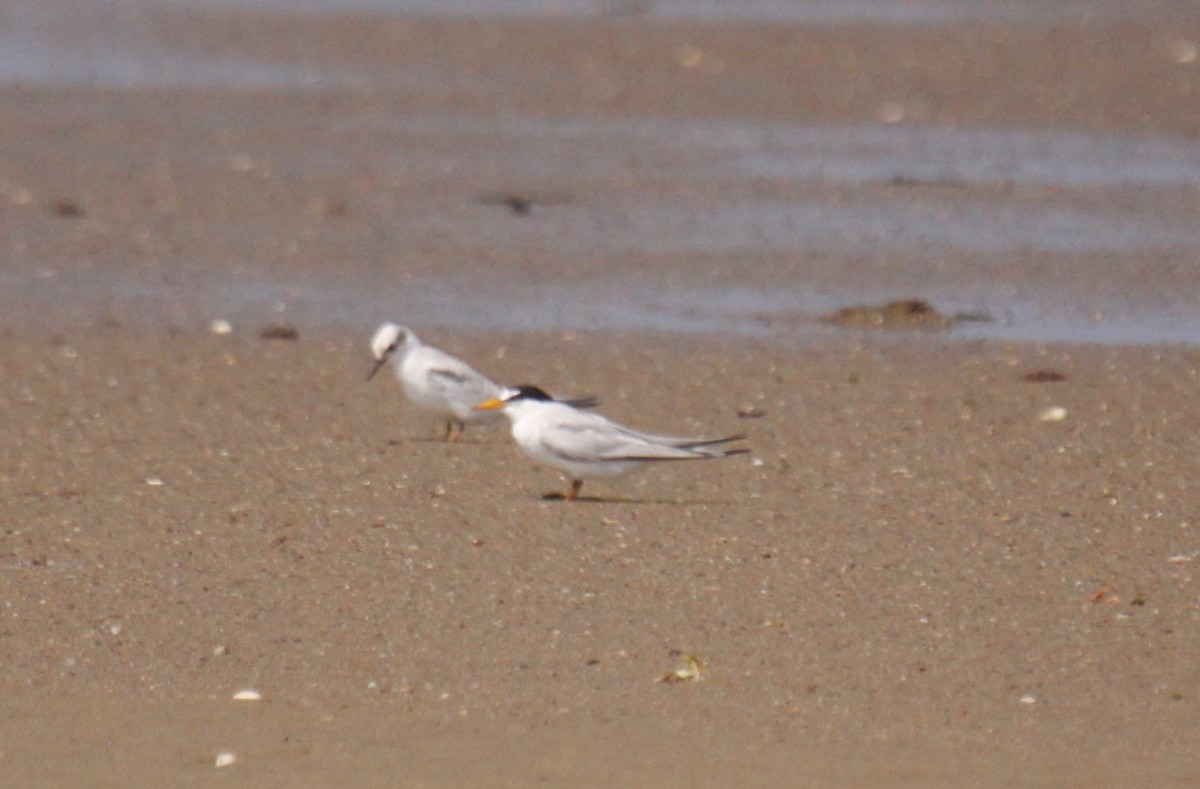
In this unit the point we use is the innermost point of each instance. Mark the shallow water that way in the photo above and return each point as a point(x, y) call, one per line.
point(880, 199)
point(825, 12)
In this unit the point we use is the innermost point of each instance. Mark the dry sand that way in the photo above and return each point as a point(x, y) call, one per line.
point(913, 579)
point(922, 575)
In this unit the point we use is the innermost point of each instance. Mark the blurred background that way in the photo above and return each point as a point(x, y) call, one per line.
point(1024, 169)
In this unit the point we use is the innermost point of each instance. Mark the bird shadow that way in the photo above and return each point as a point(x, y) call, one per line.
point(626, 500)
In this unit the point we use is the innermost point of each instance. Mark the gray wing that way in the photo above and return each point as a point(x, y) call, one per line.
point(457, 381)
point(461, 385)
point(592, 438)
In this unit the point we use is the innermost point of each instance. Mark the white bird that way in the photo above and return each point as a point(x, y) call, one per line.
point(433, 379)
point(585, 444)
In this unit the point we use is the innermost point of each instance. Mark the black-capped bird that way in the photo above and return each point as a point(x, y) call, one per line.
point(585, 444)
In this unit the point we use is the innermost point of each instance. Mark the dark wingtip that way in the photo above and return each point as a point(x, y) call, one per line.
point(712, 442)
point(587, 401)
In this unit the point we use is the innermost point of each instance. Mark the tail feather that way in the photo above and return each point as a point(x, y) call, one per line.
point(724, 453)
point(583, 403)
point(694, 443)
point(704, 451)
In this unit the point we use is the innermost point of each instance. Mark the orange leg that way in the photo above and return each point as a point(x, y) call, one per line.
point(454, 429)
point(576, 484)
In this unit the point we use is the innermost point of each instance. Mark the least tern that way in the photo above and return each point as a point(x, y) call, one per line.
point(433, 379)
point(585, 444)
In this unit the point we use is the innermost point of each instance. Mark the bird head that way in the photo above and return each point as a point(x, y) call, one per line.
point(387, 339)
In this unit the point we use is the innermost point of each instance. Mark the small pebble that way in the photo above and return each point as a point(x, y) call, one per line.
point(689, 56)
point(1183, 51)
point(1028, 699)
point(242, 163)
point(67, 208)
point(690, 671)
point(225, 758)
point(1043, 376)
point(1055, 414)
point(280, 331)
point(220, 327)
point(892, 112)
point(154, 481)
point(249, 694)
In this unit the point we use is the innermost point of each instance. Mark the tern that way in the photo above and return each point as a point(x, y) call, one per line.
point(585, 444)
point(433, 379)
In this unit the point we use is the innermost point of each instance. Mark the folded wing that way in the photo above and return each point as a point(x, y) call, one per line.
point(457, 382)
point(597, 439)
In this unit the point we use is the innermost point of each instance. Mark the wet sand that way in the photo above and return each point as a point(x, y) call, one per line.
point(951, 559)
point(675, 176)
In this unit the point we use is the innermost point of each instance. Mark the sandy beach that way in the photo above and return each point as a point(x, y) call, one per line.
point(917, 577)
point(959, 556)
